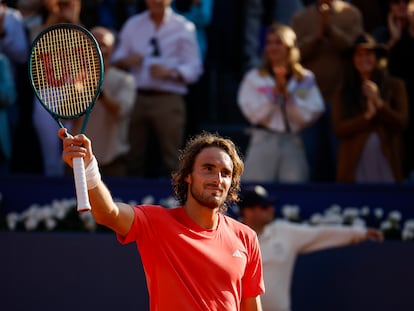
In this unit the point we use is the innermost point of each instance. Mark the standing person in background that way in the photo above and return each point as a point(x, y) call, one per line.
point(109, 121)
point(200, 12)
point(325, 29)
point(398, 35)
point(159, 47)
point(281, 242)
point(195, 257)
point(14, 45)
point(280, 99)
point(369, 117)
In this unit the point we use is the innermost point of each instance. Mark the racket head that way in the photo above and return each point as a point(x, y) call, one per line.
point(66, 70)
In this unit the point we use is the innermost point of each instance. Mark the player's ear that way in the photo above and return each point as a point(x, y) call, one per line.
point(187, 179)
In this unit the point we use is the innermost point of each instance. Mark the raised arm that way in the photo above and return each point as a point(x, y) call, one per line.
point(116, 216)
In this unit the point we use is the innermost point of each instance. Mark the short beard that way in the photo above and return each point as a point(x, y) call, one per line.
point(206, 201)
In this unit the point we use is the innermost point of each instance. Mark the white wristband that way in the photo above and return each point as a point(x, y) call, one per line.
point(93, 177)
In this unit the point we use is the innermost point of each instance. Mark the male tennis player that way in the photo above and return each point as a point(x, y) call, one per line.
point(194, 257)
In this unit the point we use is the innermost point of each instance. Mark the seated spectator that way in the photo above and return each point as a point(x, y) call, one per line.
point(369, 117)
point(281, 242)
point(280, 98)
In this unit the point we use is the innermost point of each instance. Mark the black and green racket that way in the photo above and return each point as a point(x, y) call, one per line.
point(66, 73)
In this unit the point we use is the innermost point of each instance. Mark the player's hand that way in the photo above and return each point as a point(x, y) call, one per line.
point(78, 146)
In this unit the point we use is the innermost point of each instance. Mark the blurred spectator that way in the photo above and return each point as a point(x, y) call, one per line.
point(32, 12)
point(398, 35)
point(159, 47)
point(369, 117)
point(109, 120)
point(7, 99)
point(58, 11)
point(13, 40)
point(258, 14)
point(200, 12)
point(280, 98)
point(325, 30)
point(281, 242)
point(14, 44)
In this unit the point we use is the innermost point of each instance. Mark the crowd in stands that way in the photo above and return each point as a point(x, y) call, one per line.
point(320, 116)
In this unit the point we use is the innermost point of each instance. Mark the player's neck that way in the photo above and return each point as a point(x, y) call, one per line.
point(203, 216)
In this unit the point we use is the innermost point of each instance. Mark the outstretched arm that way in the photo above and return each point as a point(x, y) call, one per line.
point(116, 216)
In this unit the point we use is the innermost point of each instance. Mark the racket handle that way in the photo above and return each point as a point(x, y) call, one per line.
point(80, 185)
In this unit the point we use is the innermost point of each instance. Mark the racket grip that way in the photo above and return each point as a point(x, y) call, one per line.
point(80, 185)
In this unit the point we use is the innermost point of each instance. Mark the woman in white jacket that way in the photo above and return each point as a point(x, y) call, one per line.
point(279, 98)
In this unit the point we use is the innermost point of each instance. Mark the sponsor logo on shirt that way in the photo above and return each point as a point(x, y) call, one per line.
point(237, 253)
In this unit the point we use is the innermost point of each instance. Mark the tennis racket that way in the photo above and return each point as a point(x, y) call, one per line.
point(66, 73)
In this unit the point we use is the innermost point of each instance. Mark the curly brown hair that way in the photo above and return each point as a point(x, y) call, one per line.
point(186, 163)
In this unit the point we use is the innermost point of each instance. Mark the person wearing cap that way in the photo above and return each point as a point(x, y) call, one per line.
point(369, 117)
point(282, 241)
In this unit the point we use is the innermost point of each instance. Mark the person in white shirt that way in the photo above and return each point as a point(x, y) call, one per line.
point(282, 241)
point(159, 47)
point(280, 98)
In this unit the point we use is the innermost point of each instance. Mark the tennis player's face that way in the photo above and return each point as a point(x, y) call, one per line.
point(211, 178)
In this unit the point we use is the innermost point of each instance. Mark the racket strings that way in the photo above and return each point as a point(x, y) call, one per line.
point(67, 71)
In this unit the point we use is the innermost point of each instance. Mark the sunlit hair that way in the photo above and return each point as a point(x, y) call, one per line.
point(288, 38)
point(186, 164)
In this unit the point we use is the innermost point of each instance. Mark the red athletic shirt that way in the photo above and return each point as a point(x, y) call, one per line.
point(190, 268)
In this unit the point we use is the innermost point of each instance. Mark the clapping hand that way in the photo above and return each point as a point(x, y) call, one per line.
point(325, 16)
point(374, 102)
point(280, 73)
